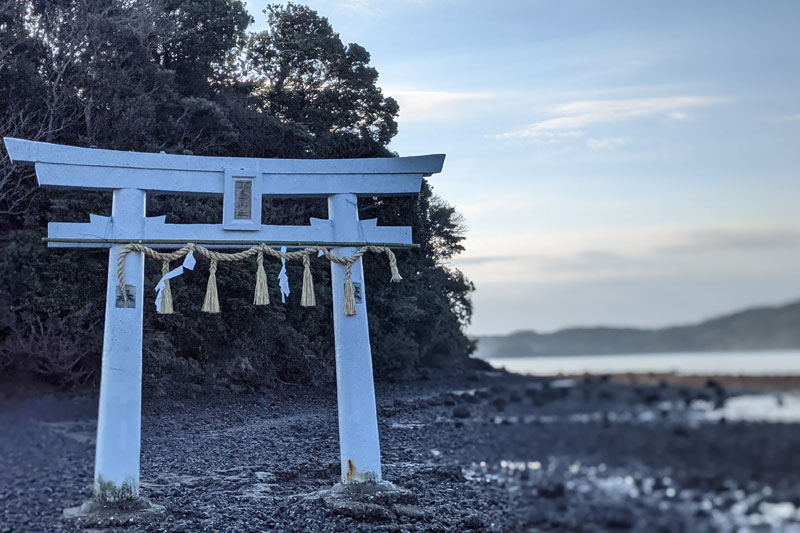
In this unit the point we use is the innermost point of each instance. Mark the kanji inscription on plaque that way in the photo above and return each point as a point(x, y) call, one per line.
point(243, 194)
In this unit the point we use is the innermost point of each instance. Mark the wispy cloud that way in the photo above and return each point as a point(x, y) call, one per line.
point(632, 253)
point(373, 6)
point(790, 118)
point(572, 118)
point(607, 143)
point(679, 115)
point(735, 239)
point(435, 106)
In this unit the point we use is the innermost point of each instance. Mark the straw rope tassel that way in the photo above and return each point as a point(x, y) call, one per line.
point(211, 302)
point(261, 296)
point(396, 278)
point(166, 294)
point(307, 299)
point(349, 292)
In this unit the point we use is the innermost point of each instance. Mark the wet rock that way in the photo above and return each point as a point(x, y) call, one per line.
point(499, 403)
point(553, 490)
point(410, 511)
point(433, 402)
point(618, 518)
point(461, 411)
point(470, 398)
point(447, 473)
point(361, 510)
point(680, 431)
point(651, 397)
point(365, 501)
point(473, 521)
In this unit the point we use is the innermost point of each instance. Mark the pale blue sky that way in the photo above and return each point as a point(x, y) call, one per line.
point(617, 162)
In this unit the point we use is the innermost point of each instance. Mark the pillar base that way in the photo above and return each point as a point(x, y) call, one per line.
point(369, 501)
point(109, 514)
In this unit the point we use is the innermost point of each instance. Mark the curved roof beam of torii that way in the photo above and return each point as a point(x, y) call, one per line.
point(91, 168)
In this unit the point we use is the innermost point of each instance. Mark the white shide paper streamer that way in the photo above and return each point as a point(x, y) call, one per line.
point(283, 278)
point(188, 263)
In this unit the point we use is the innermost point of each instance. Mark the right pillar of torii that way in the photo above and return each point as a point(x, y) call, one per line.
point(242, 183)
point(359, 446)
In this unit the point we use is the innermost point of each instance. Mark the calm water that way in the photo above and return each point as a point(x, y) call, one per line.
point(782, 362)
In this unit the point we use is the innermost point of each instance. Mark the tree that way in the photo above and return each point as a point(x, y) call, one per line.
point(307, 76)
point(177, 76)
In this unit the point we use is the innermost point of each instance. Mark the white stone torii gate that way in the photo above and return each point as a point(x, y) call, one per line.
point(242, 182)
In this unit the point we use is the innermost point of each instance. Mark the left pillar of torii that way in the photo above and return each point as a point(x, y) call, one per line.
point(119, 415)
point(242, 182)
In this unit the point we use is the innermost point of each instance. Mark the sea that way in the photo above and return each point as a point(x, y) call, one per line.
point(751, 363)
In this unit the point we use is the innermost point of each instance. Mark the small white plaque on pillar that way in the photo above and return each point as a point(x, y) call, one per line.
point(357, 294)
point(241, 201)
point(126, 297)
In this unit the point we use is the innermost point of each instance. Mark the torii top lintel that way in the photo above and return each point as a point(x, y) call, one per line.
point(91, 168)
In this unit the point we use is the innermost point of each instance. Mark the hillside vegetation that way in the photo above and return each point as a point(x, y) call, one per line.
point(768, 328)
point(185, 77)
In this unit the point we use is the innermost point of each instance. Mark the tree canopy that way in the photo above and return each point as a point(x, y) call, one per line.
point(184, 76)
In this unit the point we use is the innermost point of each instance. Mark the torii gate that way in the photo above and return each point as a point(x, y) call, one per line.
point(242, 182)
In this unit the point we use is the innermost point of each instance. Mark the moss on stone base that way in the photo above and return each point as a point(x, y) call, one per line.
point(107, 491)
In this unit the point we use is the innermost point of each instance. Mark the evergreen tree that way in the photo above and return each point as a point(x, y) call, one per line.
point(183, 76)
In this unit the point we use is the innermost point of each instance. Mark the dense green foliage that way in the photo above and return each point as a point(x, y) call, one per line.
point(183, 76)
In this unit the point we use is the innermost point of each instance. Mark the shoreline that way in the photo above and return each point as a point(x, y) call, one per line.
point(478, 450)
point(729, 381)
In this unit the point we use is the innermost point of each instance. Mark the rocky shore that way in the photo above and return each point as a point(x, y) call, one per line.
point(482, 451)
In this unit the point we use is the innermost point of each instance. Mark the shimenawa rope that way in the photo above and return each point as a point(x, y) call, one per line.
point(261, 295)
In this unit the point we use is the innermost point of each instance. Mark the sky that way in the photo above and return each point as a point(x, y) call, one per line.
point(620, 163)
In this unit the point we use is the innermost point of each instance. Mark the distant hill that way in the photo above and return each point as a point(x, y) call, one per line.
point(765, 328)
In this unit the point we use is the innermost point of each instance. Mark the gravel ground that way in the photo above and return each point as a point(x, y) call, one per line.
point(483, 451)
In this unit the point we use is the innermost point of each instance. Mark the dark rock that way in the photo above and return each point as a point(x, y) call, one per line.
point(651, 397)
point(447, 473)
point(554, 490)
point(410, 511)
point(361, 510)
point(499, 403)
point(680, 431)
point(473, 521)
point(461, 411)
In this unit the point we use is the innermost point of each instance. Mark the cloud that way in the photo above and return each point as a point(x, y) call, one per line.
point(435, 106)
point(483, 259)
point(679, 115)
point(607, 143)
point(744, 239)
point(790, 118)
point(632, 253)
point(371, 7)
point(571, 118)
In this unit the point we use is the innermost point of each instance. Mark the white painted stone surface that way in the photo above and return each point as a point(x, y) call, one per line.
point(119, 413)
point(90, 168)
point(155, 228)
point(359, 444)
